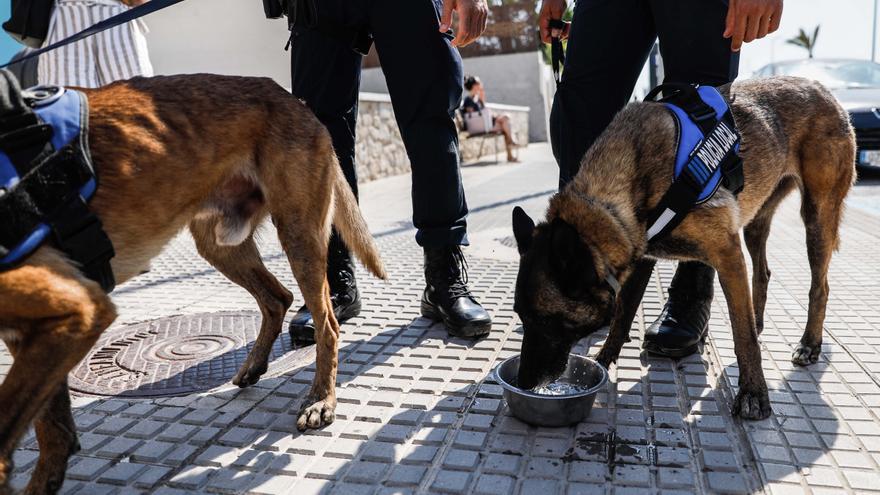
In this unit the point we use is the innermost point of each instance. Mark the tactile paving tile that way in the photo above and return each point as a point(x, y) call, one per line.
point(415, 405)
point(417, 414)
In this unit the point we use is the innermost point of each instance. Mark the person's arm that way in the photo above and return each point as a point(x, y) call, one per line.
point(550, 10)
point(134, 3)
point(749, 20)
point(472, 18)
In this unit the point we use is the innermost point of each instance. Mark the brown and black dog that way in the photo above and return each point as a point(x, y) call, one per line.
point(213, 153)
point(794, 136)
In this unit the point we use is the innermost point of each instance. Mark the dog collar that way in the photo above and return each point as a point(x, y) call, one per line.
point(609, 277)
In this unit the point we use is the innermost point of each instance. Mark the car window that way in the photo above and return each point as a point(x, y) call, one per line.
point(843, 74)
point(860, 74)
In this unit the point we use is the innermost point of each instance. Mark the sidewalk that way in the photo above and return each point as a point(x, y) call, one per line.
point(417, 413)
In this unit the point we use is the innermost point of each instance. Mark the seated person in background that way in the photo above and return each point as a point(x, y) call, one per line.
point(474, 112)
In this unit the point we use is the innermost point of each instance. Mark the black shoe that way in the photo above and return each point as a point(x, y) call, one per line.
point(684, 322)
point(343, 294)
point(447, 297)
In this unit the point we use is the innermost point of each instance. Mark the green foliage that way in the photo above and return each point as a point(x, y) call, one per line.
point(805, 41)
point(545, 49)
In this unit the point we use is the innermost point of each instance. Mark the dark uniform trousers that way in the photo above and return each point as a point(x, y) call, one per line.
point(609, 43)
point(608, 46)
point(424, 77)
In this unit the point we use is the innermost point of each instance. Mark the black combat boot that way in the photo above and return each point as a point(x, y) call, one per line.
point(343, 293)
point(684, 322)
point(447, 297)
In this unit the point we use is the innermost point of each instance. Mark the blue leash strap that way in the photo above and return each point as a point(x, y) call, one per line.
point(117, 20)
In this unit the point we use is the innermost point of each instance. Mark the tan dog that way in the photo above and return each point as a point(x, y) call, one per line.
point(794, 136)
point(212, 153)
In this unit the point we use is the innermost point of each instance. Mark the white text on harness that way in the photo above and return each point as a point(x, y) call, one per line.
point(717, 145)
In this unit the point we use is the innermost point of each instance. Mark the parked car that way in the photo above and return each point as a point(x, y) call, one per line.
point(856, 83)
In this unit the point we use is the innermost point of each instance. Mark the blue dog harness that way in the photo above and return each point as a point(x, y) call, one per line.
point(706, 154)
point(47, 178)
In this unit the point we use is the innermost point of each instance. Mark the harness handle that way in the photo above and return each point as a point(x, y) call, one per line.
point(673, 86)
point(688, 99)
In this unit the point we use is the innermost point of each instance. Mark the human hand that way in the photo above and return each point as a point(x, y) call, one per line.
point(472, 18)
point(749, 20)
point(134, 3)
point(552, 9)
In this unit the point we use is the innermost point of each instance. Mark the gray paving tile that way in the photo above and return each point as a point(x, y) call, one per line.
point(416, 414)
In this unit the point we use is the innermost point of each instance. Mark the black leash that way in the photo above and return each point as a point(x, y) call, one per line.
point(557, 52)
point(117, 20)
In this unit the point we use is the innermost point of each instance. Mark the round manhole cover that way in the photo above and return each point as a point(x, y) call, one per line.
point(178, 355)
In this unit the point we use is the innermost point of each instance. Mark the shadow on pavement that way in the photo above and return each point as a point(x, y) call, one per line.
point(796, 438)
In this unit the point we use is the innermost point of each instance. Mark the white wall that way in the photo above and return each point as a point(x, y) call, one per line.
point(515, 79)
point(219, 36)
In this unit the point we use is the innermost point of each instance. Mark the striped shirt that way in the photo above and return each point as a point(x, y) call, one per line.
point(115, 54)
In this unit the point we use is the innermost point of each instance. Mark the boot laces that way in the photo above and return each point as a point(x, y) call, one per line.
point(341, 285)
point(458, 279)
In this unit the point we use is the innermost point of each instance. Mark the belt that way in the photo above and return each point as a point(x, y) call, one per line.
point(303, 15)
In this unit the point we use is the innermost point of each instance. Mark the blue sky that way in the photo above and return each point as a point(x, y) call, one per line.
point(8, 46)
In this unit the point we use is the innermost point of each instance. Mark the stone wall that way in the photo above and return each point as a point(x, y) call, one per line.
point(380, 152)
point(513, 79)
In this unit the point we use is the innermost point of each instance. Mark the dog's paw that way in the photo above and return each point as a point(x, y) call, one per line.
point(315, 414)
point(249, 374)
point(806, 354)
point(752, 405)
point(605, 358)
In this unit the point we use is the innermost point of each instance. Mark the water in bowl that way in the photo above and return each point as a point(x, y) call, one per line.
point(560, 387)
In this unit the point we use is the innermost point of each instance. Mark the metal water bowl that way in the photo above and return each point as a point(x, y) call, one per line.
point(554, 410)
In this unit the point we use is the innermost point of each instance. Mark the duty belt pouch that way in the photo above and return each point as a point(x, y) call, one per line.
point(303, 14)
point(274, 9)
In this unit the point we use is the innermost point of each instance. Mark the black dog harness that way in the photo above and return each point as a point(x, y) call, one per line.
point(47, 178)
point(706, 153)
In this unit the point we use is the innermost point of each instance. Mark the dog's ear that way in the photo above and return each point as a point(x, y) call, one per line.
point(523, 228)
point(571, 259)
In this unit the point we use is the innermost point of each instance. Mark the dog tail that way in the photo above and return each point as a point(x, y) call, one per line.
point(352, 227)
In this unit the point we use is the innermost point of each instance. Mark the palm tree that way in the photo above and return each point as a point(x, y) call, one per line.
point(805, 41)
